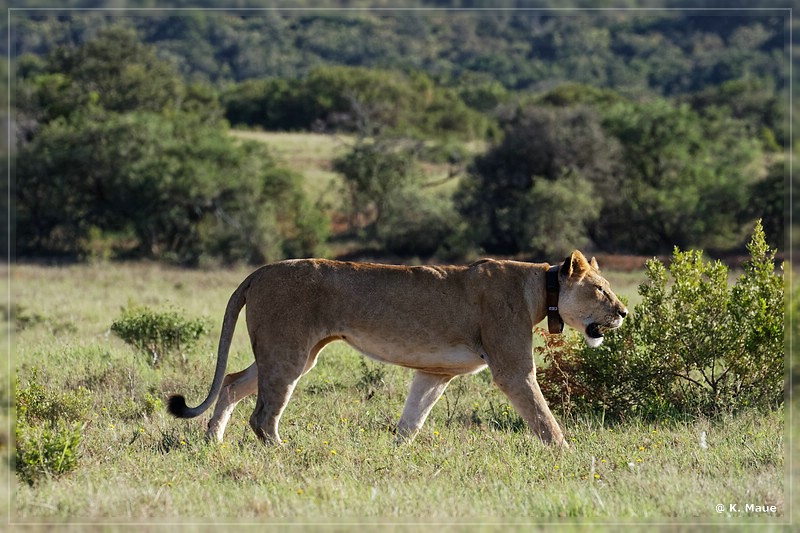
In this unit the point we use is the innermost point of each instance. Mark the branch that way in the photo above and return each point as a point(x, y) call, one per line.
point(441, 181)
point(699, 367)
point(687, 378)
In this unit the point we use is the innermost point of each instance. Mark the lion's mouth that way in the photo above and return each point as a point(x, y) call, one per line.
point(595, 330)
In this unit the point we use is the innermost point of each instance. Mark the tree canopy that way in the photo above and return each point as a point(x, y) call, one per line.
point(623, 131)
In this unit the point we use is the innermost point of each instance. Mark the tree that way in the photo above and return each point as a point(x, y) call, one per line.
point(374, 171)
point(683, 181)
point(355, 99)
point(114, 71)
point(766, 203)
point(152, 184)
point(119, 73)
point(547, 172)
point(753, 101)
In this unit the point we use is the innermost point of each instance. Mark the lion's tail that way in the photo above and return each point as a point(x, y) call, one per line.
point(176, 404)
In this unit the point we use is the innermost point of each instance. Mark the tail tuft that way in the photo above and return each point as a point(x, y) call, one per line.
point(176, 405)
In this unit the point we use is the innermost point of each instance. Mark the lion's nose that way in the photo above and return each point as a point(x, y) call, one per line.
point(623, 312)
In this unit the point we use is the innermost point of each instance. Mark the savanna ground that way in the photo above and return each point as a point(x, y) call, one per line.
point(474, 461)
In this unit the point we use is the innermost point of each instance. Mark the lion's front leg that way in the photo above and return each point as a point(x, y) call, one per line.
point(508, 343)
point(425, 391)
point(527, 399)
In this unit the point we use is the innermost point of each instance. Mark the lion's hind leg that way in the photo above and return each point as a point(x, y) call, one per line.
point(425, 391)
point(235, 387)
point(279, 370)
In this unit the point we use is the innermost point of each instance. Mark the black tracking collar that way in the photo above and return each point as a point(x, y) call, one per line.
point(554, 322)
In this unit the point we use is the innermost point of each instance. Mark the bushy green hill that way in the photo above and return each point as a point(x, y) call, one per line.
point(623, 131)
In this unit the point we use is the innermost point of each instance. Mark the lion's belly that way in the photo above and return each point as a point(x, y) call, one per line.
point(444, 358)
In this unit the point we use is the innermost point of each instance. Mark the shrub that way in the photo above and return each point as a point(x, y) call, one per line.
point(414, 224)
point(373, 378)
point(48, 429)
point(46, 451)
point(694, 345)
point(551, 170)
point(37, 404)
point(145, 185)
point(158, 332)
point(373, 172)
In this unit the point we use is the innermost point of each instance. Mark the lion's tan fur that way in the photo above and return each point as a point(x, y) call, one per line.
point(442, 321)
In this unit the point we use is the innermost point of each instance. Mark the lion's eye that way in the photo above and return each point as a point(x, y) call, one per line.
point(600, 290)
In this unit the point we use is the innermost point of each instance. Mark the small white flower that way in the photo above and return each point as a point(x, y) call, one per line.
point(703, 443)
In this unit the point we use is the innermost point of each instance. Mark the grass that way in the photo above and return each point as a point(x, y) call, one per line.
point(472, 462)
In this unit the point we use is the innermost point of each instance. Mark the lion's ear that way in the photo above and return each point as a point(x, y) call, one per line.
point(575, 264)
point(593, 262)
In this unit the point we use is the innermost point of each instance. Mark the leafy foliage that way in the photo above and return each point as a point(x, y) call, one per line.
point(159, 179)
point(382, 178)
point(666, 53)
point(535, 190)
point(37, 404)
point(354, 99)
point(114, 71)
point(158, 332)
point(46, 451)
point(684, 178)
point(693, 345)
point(418, 225)
point(767, 203)
point(48, 429)
point(373, 172)
point(650, 131)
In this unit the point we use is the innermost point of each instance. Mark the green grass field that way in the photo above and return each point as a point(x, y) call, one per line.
point(473, 462)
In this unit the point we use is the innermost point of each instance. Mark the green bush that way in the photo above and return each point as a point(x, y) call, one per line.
point(694, 345)
point(38, 404)
point(46, 451)
point(416, 225)
point(374, 172)
point(546, 177)
point(121, 159)
point(48, 429)
point(158, 332)
point(368, 101)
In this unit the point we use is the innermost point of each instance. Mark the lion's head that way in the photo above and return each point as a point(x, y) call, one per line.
point(586, 301)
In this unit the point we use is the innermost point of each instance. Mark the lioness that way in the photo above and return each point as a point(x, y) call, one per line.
point(442, 321)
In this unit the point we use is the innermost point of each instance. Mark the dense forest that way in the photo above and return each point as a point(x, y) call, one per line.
point(620, 131)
